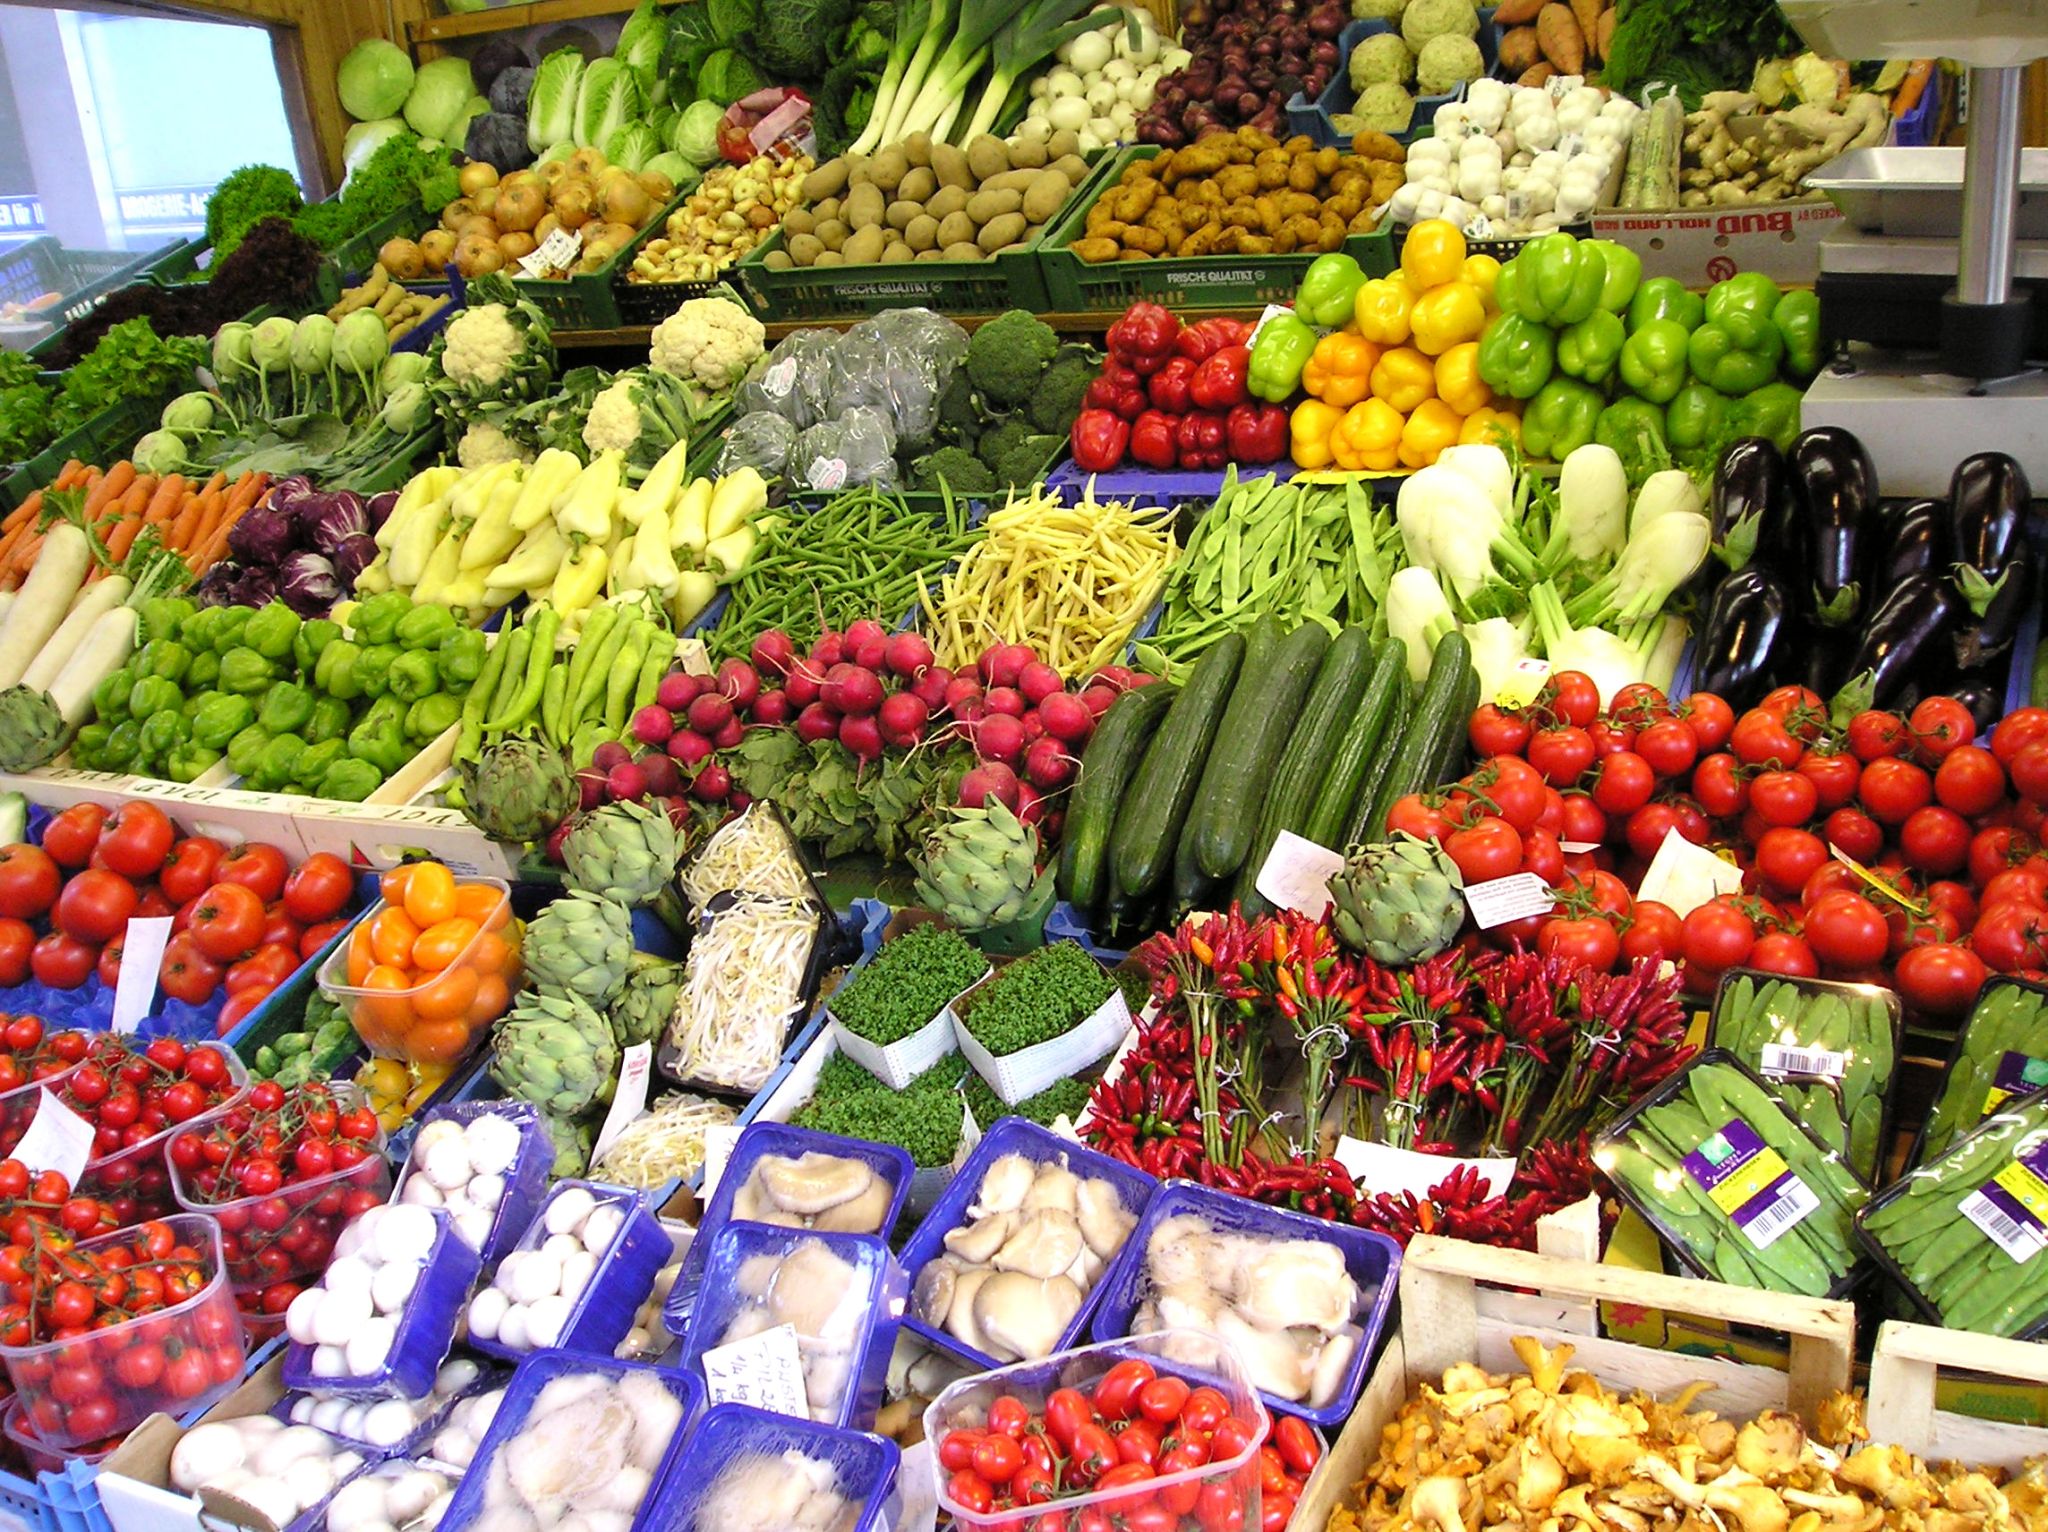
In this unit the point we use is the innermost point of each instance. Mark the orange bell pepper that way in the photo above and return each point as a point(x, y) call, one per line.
point(1485, 427)
point(1381, 310)
point(1447, 316)
point(1432, 254)
point(1404, 378)
point(1309, 430)
point(1369, 436)
point(1339, 370)
point(1433, 427)
point(1458, 382)
point(1482, 271)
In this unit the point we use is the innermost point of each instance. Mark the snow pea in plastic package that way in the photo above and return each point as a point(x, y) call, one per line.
point(762, 441)
point(795, 381)
point(857, 448)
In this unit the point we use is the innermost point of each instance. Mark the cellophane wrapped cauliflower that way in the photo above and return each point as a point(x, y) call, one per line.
point(1382, 108)
point(1446, 62)
point(1381, 59)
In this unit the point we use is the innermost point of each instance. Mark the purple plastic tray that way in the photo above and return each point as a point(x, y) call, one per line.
point(426, 1328)
point(866, 1464)
point(624, 1276)
point(524, 1185)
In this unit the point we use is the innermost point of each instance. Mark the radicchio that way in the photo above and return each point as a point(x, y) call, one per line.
point(353, 556)
point(307, 583)
point(263, 536)
point(329, 519)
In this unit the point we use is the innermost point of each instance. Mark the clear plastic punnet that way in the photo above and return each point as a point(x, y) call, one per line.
point(781, 1458)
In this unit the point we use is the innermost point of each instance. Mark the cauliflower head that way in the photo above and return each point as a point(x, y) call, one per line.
point(613, 424)
point(710, 342)
point(1424, 19)
point(484, 444)
point(482, 345)
point(1382, 108)
point(1446, 62)
point(1382, 59)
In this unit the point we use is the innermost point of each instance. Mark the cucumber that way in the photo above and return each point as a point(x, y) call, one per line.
point(1358, 826)
point(1189, 890)
point(1451, 757)
point(1435, 730)
point(1311, 744)
point(1148, 823)
point(1106, 766)
point(1386, 684)
point(1223, 776)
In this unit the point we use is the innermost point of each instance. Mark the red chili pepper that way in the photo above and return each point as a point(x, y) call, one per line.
point(1219, 383)
point(1153, 440)
point(1099, 440)
point(1171, 388)
point(1144, 337)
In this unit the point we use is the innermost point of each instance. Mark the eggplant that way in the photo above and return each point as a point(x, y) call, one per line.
point(1985, 701)
point(1982, 635)
point(1905, 635)
point(1987, 507)
point(1746, 635)
point(1751, 511)
point(1823, 655)
point(1911, 537)
point(1834, 487)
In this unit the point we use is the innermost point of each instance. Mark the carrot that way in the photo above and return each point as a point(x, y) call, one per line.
point(122, 538)
point(8, 539)
point(1603, 37)
point(1518, 50)
point(191, 516)
point(1912, 87)
point(135, 498)
point(23, 513)
point(218, 481)
point(1563, 44)
point(1513, 13)
point(71, 475)
point(110, 488)
point(25, 552)
point(169, 494)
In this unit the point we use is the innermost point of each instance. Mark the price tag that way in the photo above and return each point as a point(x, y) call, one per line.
point(57, 1139)
point(780, 378)
point(827, 473)
point(1577, 847)
point(1500, 900)
point(142, 953)
point(1683, 876)
point(1747, 1180)
point(1273, 311)
point(629, 1099)
point(1383, 1168)
point(1778, 1059)
point(2018, 1074)
point(718, 1141)
point(2012, 1207)
point(1297, 873)
point(555, 253)
point(763, 1370)
point(1478, 226)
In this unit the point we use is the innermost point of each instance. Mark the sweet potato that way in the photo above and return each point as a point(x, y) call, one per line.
point(1513, 13)
point(1537, 74)
point(1558, 35)
point(1587, 14)
point(1605, 31)
point(1518, 50)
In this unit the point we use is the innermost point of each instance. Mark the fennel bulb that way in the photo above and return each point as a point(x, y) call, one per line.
point(1418, 615)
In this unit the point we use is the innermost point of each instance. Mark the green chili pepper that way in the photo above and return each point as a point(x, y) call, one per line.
point(204, 671)
point(336, 672)
point(228, 627)
point(314, 760)
point(586, 697)
point(122, 744)
point(274, 765)
point(190, 762)
point(152, 695)
point(424, 627)
point(350, 781)
point(373, 668)
point(164, 657)
point(376, 620)
point(245, 671)
point(625, 671)
point(163, 732)
point(328, 720)
point(551, 695)
point(428, 717)
point(540, 657)
point(163, 616)
point(110, 697)
point(461, 657)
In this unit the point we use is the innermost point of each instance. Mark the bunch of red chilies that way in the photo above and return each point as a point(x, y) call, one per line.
point(1474, 1052)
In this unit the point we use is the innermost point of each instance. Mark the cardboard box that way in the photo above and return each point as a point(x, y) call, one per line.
point(135, 1479)
point(1702, 246)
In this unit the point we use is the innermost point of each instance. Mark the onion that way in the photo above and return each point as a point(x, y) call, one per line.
point(625, 201)
point(519, 208)
point(515, 245)
point(456, 211)
point(573, 204)
point(476, 176)
point(436, 247)
point(402, 258)
point(586, 162)
point(477, 255)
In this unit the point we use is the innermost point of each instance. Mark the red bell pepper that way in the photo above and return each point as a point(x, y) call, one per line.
point(1143, 338)
point(1099, 438)
point(1202, 440)
point(1168, 388)
point(1258, 433)
point(1117, 389)
point(1152, 439)
point(1204, 338)
point(1219, 383)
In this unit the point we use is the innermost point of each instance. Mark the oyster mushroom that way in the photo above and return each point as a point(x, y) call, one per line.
point(864, 1214)
point(1025, 1315)
point(1297, 1282)
point(811, 1290)
point(1055, 1187)
point(976, 1243)
point(1331, 1362)
point(1105, 1222)
point(1044, 1245)
point(812, 1182)
point(960, 1321)
point(1273, 1359)
point(1003, 1186)
point(756, 1274)
point(931, 1296)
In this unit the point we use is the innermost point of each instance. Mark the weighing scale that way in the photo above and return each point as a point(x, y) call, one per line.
point(1932, 281)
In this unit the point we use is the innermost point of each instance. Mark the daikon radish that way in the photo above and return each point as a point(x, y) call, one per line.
point(102, 651)
point(97, 601)
point(60, 568)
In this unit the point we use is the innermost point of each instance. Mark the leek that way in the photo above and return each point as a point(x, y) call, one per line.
point(920, 29)
point(1026, 40)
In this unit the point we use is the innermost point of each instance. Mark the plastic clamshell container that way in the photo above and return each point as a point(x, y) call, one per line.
point(426, 1328)
point(1192, 1355)
point(759, 1139)
point(525, 1184)
point(533, 1375)
point(604, 1312)
point(382, 1017)
point(312, 1210)
point(2032, 1035)
point(18, 1106)
point(1373, 1260)
point(1019, 1135)
point(866, 1464)
point(415, 1443)
point(878, 1282)
point(142, 1171)
point(40, 1456)
point(205, 1323)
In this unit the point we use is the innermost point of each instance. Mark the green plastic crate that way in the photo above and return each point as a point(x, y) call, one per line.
point(587, 302)
point(1008, 280)
point(1075, 286)
point(649, 303)
point(103, 441)
point(346, 264)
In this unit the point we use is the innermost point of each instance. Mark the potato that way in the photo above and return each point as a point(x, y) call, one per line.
point(918, 185)
point(1063, 143)
point(1043, 197)
point(1072, 166)
point(921, 233)
point(799, 220)
point(1009, 180)
point(998, 232)
point(778, 260)
point(828, 180)
point(804, 249)
point(931, 255)
point(1027, 153)
point(1096, 249)
point(865, 246)
point(860, 172)
point(987, 156)
point(896, 253)
point(889, 168)
point(985, 205)
point(832, 233)
point(967, 251)
point(864, 207)
point(947, 199)
point(831, 258)
point(827, 209)
point(955, 229)
point(918, 149)
point(950, 166)
point(900, 214)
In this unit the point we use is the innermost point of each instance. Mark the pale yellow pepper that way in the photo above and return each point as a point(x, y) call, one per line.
point(1485, 427)
point(1381, 310)
point(1339, 370)
point(1482, 271)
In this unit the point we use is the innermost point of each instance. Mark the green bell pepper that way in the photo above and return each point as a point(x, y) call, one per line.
point(1654, 359)
point(413, 676)
point(429, 716)
point(376, 620)
point(190, 762)
point(163, 616)
point(204, 670)
point(313, 637)
point(110, 697)
point(379, 736)
point(1771, 411)
point(287, 708)
point(1589, 349)
point(221, 719)
point(1736, 349)
point(1797, 321)
point(274, 765)
point(164, 657)
point(90, 747)
point(1279, 354)
point(162, 733)
point(336, 673)
point(122, 744)
point(196, 631)
point(424, 627)
point(246, 749)
point(1695, 418)
point(195, 702)
point(226, 633)
point(271, 631)
point(350, 781)
point(1517, 355)
point(1558, 280)
point(1624, 275)
point(1634, 429)
point(461, 657)
point(1666, 298)
point(313, 763)
point(373, 668)
point(1328, 289)
point(245, 671)
point(1561, 419)
point(329, 720)
point(153, 695)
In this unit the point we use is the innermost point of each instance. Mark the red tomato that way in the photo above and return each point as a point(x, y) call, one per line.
point(1941, 978)
point(1624, 782)
point(997, 1458)
point(1115, 1397)
point(1970, 781)
point(1542, 855)
point(187, 974)
point(1710, 718)
point(1571, 696)
point(2026, 882)
point(1655, 932)
point(1796, 705)
point(257, 867)
point(268, 966)
point(1487, 848)
point(136, 840)
point(1561, 754)
point(1957, 900)
point(1587, 943)
point(17, 940)
point(1584, 822)
point(94, 906)
point(1936, 840)
point(1299, 1449)
point(316, 937)
point(1854, 833)
point(1719, 785)
point(1783, 952)
point(1846, 930)
point(191, 871)
point(1783, 798)
point(2028, 770)
point(1009, 1415)
point(1092, 1455)
point(71, 835)
point(59, 961)
point(1717, 936)
point(1830, 877)
point(1412, 814)
point(318, 888)
point(1066, 1411)
point(109, 965)
point(1761, 739)
point(1834, 778)
point(228, 922)
point(956, 1450)
point(1610, 738)
point(1670, 747)
point(2012, 936)
point(1515, 787)
point(1892, 789)
point(1495, 731)
point(29, 881)
point(1786, 858)
point(1941, 725)
point(970, 1491)
point(1647, 827)
point(1139, 1442)
point(2016, 731)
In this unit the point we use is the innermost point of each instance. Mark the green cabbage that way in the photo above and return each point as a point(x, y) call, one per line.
point(640, 43)
point(438, 104)
point(373, 80)
point(606, 101)
point(631, 146)
point(696, 134)
point(679, 170)
point(365, 139)
point(733, 21)
point(551, 107)
point(727, 76)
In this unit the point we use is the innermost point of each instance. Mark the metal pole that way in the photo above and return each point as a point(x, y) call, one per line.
point(1991, 185)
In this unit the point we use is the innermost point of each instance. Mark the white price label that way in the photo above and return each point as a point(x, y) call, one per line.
point(1578, 847)
point(57, 1139)
point(763, 1370)
point(1297, 873)
point(1683, 876)
point(2020, 1239)
point(779, 379)
point(1793, 1204)
point(827, 473)
point(1778, 1059)
point(718, 1141)
point(1500, 900)
point(142, 954)
point(1383, 1168)
point(555, 253)
point(1478, 226)
point(1273, 311)
point(629, 1100)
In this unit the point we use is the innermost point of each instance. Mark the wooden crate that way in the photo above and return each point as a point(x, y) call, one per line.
point(1444, 1322)
point(1904, 1369)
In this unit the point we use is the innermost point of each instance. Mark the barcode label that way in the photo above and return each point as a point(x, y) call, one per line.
point(1781, 1060)
point(2021, 1241)
point(1793, 1203)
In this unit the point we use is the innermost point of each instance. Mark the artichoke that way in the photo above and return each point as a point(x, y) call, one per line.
point(626, 852)
point(648, 1002)
point(32, 732)
point(557, 1052)
point(978, 867)
point(518, 790)
point(580, 946)
point(572, 1142)
point(1398, 902)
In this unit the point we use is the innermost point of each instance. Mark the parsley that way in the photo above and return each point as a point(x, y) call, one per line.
point(130, 362)
point(1697, 45)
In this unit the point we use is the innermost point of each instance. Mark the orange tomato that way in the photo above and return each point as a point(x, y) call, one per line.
point(386, 1005)
point(392, 884)
point(392, 934)
point(442, 943)
point(485, 905)
point(360, 959)
point(492, 997)
point(430, 894)
point(446, 996)
point(490, 954)
point(437, 1041)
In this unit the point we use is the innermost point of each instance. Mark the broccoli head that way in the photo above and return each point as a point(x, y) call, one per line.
point(1007, 356)
point(1057, 399)
point(959, 416)
point(954, 468)
point(999, 438)
point(1027, 459)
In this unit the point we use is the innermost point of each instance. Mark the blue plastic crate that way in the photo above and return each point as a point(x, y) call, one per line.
point(1373, 1260)
point(28, 1501)
point(1069, 923)
point(525, 1184)
point(426, 1328)
point(1315, 118)
point(866, 1464)
point(625, 1273)
point(1017, 1135)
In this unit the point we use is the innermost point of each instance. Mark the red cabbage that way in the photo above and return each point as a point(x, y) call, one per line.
point(306, 582)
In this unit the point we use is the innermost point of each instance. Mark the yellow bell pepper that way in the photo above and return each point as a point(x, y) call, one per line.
point(1433, 254)
point(1309, 430)
point(1381, 310)
point(1484, 428)
point(1339, 370)
point(1369, 436)
point(1458, 382)
point(1447, 316)
point(1433, 427)
point(1482, 271)
point(1404, 378)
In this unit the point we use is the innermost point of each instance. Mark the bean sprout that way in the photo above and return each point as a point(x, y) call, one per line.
point(743, 982)
point(667, 1142)
point(753, 854)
